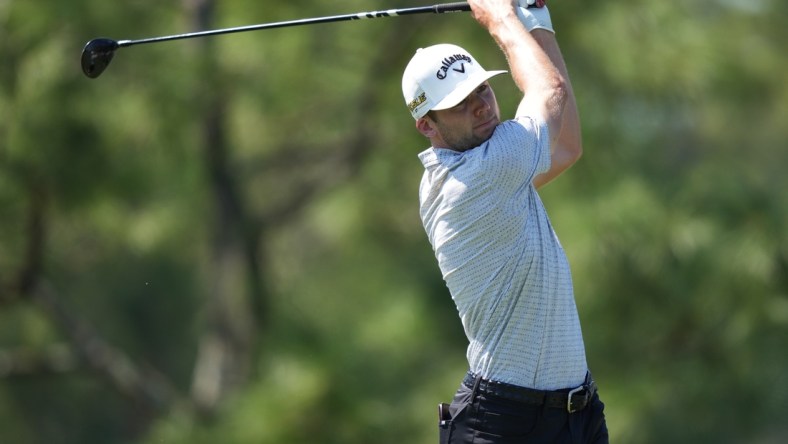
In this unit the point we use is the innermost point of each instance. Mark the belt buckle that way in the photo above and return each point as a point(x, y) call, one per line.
point(569, 398)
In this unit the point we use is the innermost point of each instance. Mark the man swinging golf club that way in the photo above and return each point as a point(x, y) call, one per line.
point(506, 271)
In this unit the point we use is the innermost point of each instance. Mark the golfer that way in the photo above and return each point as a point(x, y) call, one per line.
point(528, 380)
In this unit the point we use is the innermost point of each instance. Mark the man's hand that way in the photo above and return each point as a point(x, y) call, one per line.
point(489, 12)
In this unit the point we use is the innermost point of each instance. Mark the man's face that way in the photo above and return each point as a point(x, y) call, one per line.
point(466, 125)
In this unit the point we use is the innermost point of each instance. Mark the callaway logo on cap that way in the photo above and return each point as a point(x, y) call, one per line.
point(439, 77)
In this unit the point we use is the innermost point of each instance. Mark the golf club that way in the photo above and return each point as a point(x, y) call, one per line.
point(97, 53)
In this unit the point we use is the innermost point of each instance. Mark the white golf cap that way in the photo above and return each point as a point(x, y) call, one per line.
point(439, 77)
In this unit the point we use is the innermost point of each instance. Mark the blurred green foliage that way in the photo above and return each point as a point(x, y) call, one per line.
point(250, 201)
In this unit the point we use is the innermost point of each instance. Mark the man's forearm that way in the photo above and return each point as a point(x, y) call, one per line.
point(531, 67)
point(567, 147)
point(570, 128)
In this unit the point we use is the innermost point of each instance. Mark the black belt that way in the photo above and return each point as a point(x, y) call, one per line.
point(572, 400)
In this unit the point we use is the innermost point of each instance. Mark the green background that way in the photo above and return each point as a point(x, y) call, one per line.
point(217, 241)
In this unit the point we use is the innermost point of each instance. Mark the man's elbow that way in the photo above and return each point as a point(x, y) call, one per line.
point(569, 155)
point(576, 151)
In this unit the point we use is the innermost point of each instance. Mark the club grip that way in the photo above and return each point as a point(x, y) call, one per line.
point(463, 6)
point(451, 7)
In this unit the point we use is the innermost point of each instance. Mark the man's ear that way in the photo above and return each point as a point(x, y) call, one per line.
point(426, 126)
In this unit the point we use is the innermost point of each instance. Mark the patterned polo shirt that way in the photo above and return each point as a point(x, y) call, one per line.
point(501, 259)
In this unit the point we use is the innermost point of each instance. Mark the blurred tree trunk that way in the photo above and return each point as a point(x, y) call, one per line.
point(226, 345)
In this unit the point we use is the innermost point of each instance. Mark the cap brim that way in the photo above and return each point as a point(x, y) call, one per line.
point(464, 88)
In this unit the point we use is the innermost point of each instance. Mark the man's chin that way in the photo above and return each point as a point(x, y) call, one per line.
point(485, 132)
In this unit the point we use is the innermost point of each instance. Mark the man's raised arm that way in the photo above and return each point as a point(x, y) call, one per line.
point(544, 88)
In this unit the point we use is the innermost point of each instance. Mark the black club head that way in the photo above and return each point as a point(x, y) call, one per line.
point(96, 56)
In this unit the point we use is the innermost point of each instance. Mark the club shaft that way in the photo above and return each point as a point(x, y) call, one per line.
point(434, 9)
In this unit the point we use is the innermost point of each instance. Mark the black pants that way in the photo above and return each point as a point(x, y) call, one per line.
point(480, 416)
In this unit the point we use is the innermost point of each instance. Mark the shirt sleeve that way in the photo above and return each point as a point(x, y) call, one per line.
point(518, 151)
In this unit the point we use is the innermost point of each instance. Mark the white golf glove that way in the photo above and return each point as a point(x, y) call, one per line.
point(534, 18)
